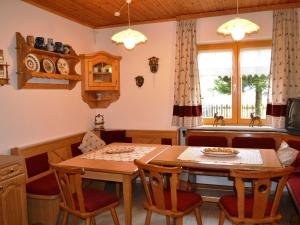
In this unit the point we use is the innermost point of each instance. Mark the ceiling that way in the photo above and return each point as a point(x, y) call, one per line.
point(100, 13)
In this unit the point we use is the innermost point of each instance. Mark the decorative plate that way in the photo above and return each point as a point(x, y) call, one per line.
point(48, 65)
point(220, 152)
point(119, 150)
point(32, 63)
point(62, 66)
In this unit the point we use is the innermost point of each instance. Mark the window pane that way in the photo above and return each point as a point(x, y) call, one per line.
point(215, 69)
point(255, 71)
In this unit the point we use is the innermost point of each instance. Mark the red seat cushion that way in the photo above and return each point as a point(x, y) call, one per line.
point(294, 184)
point(46, 185)
point(110, 136)
point(229, 202)
point(185, 200)
point(207, 141)
point(95, 199)
point(37, 164)
point(252, 142)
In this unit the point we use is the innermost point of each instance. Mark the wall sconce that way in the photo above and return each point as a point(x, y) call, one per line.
point(153, 63)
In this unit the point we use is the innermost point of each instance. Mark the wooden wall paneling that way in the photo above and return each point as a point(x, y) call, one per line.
point(153, 136)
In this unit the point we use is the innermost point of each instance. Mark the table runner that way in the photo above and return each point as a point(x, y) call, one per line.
point(246, 156)
point(101, 154)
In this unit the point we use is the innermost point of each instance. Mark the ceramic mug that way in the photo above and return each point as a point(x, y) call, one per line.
point(30, 41)
point(39, 43)
point(58, 47)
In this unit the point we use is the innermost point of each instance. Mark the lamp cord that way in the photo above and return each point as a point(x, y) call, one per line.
point(129, 16)
point(237, 7)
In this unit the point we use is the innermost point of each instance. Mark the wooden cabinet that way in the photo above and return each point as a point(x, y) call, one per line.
point(101, 79)
point(25, 75)
point(13, 205)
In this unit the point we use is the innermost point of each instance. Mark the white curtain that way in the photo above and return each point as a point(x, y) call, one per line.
point(285, 65)
point(187, 109)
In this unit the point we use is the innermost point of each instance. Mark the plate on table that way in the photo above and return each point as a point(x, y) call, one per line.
point(32, 63)
point(48, 65)
point(62, 66)
point(220, 152)
point(119, 150)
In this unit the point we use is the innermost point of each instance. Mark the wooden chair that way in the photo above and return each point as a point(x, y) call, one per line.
point(163, 196)
point(84, 203)
point(258, 207)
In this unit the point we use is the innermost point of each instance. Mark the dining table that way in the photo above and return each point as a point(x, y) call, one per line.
point(246, 159)
point(104, 165)
point(194, 161)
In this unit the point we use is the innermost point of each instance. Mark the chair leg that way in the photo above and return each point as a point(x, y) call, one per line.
point(148, 217)
point(222, 217)
point(88, 221)
point(75, 220)
point(65, 218)
point(180, 221)
point(198, 216)
point(114, 216)
point(93, 221)
point(168, 220)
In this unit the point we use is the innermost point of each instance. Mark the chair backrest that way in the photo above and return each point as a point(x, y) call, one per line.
point(261, 190)
point(70, 184)
point(160, 179)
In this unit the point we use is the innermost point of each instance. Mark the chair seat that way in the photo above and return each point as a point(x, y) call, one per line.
point(185, 200)
point(46, 185)
point(229, 202)
point(95, 199)
point(294, 184)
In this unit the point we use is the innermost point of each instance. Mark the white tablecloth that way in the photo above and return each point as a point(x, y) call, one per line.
point(246, 156)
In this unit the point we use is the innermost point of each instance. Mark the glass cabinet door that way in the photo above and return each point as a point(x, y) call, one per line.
point(102, 72)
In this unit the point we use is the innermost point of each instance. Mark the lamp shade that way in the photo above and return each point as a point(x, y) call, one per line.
point(237, 28)
point(129, 37)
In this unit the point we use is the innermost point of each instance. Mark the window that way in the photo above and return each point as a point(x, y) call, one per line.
point(234, 80)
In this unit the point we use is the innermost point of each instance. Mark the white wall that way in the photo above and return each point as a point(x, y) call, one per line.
point(27, 115)
point(150, 107)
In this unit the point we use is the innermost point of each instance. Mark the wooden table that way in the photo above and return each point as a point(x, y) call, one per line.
point(116, 171)
point(169, 158)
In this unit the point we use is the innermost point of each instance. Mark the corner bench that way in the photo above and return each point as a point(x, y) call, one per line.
point(43, 194)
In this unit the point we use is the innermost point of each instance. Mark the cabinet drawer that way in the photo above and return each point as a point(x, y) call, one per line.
point(11, 171)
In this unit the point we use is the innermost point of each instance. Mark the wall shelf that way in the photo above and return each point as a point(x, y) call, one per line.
point(25, 75)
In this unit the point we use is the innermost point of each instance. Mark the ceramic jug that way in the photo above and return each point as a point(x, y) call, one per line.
point(66, 49)
point(50, 45)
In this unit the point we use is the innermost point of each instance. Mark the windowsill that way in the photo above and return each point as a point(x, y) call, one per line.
point(239, 128)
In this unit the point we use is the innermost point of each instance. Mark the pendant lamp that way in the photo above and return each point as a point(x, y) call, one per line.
point(129, 37)
point(237, 27)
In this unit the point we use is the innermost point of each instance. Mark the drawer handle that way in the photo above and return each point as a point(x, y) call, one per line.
point(11, 170)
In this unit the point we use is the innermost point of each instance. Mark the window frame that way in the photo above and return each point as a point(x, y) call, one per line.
point(236, 81)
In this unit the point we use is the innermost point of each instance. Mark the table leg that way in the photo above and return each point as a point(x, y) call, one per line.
point(127, 196)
